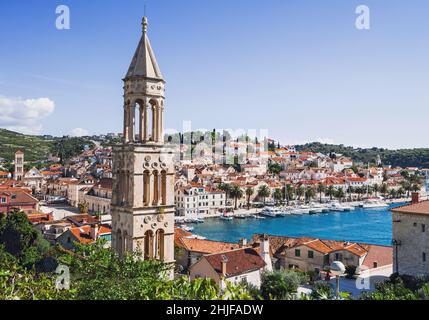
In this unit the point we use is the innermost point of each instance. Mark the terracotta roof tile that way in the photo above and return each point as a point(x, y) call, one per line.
point(238, 261)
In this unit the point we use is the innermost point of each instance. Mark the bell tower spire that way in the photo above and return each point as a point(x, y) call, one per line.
point(144, 95)
point(143, 169)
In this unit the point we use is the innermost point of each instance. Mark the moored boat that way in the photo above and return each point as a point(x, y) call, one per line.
point(269, 212)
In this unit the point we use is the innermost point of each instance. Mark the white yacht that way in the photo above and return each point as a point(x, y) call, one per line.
point(374, 204)
point(269, 212)
point(335, 206)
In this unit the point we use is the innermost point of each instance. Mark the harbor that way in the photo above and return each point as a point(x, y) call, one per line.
point(335, 225)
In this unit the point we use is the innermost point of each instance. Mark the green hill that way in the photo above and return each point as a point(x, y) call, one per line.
point(35, 147)
point(400, 157)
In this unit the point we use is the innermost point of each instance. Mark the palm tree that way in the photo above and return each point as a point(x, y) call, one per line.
point(330, 192)
point(287, 192)
point(309, 194)
point(350, 191)
point(384, 189)
point(393, 193)
point(376, 189)
point(264, 192)
point(407, 187)
point(320, 188)
point(249, 193)
point(299, 192)
point(225, 187)
point(340, 194)
point(278, 195)
point(236, 193)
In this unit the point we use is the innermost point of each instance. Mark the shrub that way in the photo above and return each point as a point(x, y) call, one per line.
point(322, 290)
point(280, 285)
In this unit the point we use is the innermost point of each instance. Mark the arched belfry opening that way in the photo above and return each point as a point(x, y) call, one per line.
point(142, 204)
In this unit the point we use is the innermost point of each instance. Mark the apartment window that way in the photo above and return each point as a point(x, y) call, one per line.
point(424, 256)
point(2, 200)
point(310, 254)
point(297, 253)
point(338, 256)
point(375, 265)
point(423, 227)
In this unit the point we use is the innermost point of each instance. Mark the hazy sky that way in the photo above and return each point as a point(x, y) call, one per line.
point(298, 68)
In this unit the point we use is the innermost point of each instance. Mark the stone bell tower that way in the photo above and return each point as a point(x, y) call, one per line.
point(143, 170)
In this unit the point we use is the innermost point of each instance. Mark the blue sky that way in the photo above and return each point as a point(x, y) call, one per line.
point(298, 68)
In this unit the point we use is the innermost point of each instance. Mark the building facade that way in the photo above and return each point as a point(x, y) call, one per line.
point(410, 234)
point(199, 202)
point(142, 205)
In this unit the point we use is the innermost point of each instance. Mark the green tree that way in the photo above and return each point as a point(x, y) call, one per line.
point(340, 194)
point(299, 191)
point(236, 193)
point(309, 194)
point(280, 285)
point(249, 193)
point(264, 192)
point(330, 192)
point(287, 191)
point(20, 239)
point(320, 189)
point(384, 189)
point(278, 195)
point(376, 189)
point(225, 187)
point(20, 283)
point(274, 168)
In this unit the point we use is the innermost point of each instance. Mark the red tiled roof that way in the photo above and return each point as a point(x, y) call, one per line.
point(238, 261)
point(205, 246)
point(83, 234)
point(381, 254)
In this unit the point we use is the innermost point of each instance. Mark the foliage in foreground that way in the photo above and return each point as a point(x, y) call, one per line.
point(99, 274)
point(281, 285)
point(21, 240)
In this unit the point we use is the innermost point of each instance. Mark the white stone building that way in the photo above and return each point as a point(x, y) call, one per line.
point(199, 201)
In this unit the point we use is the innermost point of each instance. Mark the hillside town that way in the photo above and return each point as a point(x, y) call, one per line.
point(205, 215)
point(70, 203)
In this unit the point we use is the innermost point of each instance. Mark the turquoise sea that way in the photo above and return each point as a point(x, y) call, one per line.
point(372, 226)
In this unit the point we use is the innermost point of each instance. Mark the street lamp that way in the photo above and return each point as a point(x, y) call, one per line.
point(337, 268)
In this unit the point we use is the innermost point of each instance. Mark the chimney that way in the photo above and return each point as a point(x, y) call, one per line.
point(415, 197)
point(224, 262)
point(94, 231)
point(243, 242)
point(265, 252)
